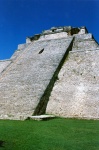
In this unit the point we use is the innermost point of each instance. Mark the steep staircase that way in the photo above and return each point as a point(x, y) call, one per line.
point(23, 84)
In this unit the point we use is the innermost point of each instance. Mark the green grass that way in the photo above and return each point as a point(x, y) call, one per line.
point(55, 134)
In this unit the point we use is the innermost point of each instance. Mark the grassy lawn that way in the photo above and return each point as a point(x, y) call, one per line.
point(55, 134)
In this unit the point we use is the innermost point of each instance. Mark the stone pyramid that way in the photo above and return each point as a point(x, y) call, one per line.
point(55, 72)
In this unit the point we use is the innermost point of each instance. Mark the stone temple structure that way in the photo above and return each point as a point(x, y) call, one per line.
point(55, 72)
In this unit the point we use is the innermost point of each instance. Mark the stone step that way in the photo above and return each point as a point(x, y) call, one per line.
point(41, 117)
point(84, 44)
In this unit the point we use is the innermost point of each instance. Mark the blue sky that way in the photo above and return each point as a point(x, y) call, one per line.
point(22, 18)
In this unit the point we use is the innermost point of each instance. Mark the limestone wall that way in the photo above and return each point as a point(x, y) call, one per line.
point(19, 51)
point(23, 46)
point(54, 36)
point(55, 72)
point(83, 42)
point(76, 92)
point(4, 64)
point(26, 80)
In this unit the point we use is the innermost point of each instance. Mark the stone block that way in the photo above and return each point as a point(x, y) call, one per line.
point(67, 28)
point(58, 30)
point(83, 36)
point(41, 117)
point(28, 40)
point(54, 36)
point(47, 32)
point(22, 46)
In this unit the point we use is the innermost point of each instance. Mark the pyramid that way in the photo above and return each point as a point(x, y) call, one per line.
point(55, 72)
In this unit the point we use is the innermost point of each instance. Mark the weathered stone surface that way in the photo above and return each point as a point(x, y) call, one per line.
point(16, 54)
point(22, 46)
point(58, 30)
point(31, 82)
point(28, 77)
point(67, 28)
point(47, 32)
point(28, 40)
point(79, 37)
point(83, 30)
point(83, 42)
point(32, 38)
point(54, 36)
point(4, 64)
point(76, 93)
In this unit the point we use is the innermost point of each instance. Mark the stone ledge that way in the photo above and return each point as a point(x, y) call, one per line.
point(84, 50)
point(82, 36)
point(22, 46)
point(49, 39)
point(41, 117)
point(5, 60)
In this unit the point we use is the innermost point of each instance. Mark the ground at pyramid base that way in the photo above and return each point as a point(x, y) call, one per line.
point(55, 72)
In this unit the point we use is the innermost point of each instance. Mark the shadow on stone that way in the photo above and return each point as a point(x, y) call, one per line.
point(41, 107)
